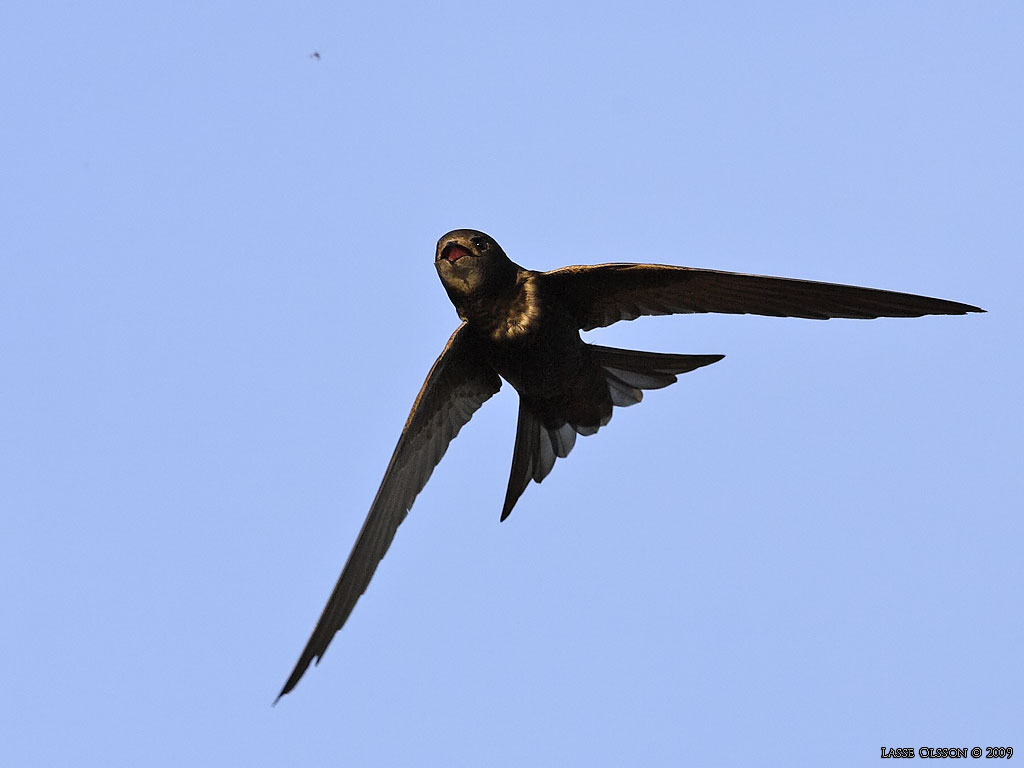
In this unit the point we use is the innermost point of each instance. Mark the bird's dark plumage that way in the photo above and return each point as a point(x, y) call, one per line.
point(524, 326)
point(604, 294)
point(456, 386)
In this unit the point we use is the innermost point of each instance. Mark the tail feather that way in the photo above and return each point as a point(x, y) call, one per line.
point(648, 380)
point(622, 392)
point(563, 439)
point(658, 368)
point(527, 462)
point(627, 373)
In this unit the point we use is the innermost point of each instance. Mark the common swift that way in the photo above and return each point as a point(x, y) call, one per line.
point(524, 327)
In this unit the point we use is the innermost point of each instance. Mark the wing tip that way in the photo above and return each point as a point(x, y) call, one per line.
point(506, 511)
point(954, 308)
point(287, 688)
point(965, 309)
point(297, 674)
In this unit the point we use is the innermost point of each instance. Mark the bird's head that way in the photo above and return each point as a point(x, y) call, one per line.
point(470, 262)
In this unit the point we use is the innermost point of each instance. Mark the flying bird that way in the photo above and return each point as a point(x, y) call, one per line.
point(524, 327)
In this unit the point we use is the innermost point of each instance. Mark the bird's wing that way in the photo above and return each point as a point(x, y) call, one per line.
point(606, 293)
point(456, 387)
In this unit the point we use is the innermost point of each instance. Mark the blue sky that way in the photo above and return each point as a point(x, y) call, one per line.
point(217, 302)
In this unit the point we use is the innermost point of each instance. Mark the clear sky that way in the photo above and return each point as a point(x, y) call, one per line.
point(217, 302)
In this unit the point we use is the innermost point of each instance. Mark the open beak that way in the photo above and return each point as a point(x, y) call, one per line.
point(453, 252)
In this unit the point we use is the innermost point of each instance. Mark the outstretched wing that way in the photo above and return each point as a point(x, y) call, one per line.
point(456, 387)
point(606, 293)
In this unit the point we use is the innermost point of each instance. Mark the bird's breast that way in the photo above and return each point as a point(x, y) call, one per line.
point(530, 339)
point(517, 316)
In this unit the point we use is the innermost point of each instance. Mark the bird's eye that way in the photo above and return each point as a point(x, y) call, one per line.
point(481, 245)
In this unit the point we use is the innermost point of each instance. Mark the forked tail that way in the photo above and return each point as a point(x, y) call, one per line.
point(627, 373)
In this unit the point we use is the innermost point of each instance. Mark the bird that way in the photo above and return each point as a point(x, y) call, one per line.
point(523, 327)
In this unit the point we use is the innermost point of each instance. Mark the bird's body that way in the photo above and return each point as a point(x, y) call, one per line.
point(530, 339)
point(524, 327)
